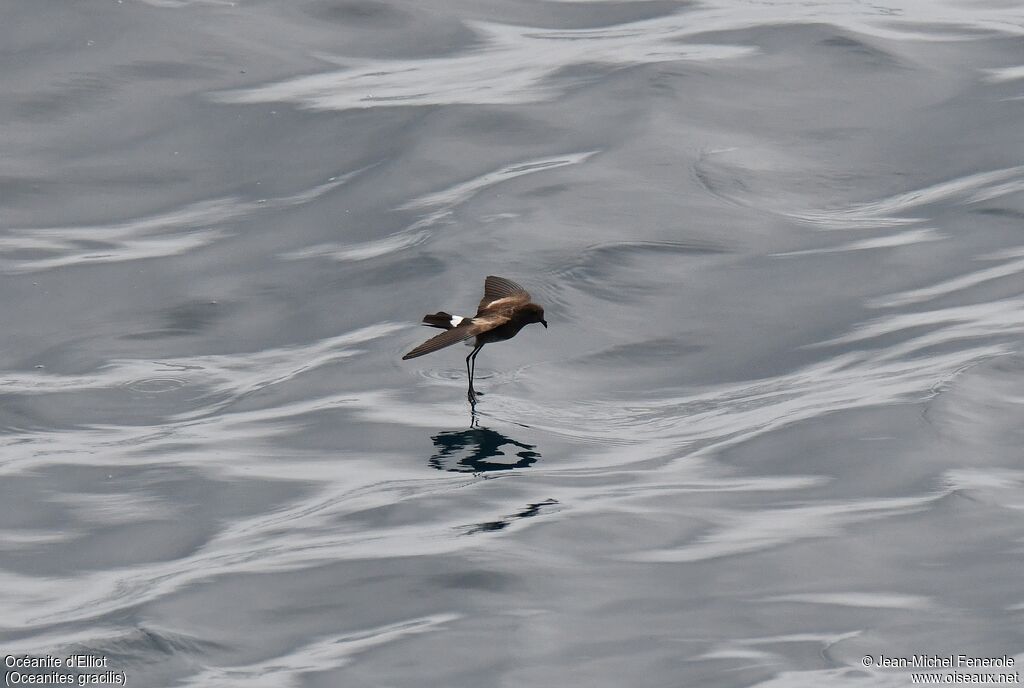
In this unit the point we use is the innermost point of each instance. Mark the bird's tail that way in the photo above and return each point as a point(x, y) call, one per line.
point(442, 320)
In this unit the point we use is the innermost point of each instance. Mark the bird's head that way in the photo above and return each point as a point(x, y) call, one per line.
point(535, 314)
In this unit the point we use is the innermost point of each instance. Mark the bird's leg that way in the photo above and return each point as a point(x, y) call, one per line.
point(476, 393)
point(470, 369)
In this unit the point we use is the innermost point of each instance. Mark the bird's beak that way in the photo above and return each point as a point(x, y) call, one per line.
point(544, 323)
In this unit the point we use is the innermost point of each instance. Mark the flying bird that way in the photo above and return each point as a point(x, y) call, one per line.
point(504, 310)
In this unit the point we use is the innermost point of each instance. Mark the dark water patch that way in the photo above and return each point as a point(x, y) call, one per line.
point(19, 417)
point(889, 448)
point(597, 15)
point(162, 69)
point(350, 30)
point(71, 97)
point(832, 134)
point(869, 55)
point(504, 126)
point(644, 351)
point(549, 190)
point(365, 13)
point(619, 271)
point(15, 190)
point(1008, 213)
point(483, 580)
point(963, 30)
point(187, 319)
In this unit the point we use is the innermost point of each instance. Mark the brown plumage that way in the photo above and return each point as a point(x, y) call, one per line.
point(503, 311)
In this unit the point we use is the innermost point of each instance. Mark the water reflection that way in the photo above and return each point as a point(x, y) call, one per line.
point(491, 526)
point(472, 451)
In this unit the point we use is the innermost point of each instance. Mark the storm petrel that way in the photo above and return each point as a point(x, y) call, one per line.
point(504, 310)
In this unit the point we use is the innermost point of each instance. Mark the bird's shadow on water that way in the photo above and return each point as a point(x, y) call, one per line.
point(479, 450)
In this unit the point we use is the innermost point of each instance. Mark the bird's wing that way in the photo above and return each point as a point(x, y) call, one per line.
point(500, 289)
point(465, 330)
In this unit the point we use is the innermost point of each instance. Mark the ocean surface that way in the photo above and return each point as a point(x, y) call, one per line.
point(774, 433)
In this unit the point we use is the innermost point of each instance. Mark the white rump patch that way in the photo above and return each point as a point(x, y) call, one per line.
point(456, 319)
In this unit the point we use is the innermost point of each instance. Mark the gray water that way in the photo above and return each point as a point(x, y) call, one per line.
point(776, 425)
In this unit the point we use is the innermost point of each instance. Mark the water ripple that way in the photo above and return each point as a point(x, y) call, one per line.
point(866, 600)
point(739, 532)
point(726, 179)
point(218, 380)
point(914, 236)
point(231, 375)
point(708, 420)
point(363, 251)
point(440, 206)
point(952, 286)
point(306, 534)
point(883, 213)
point(322, 655)
point(517, 64)
point(1005, 74)
point(312, 531)
point(460, 193)
point(164, 234)
point(998, 319)
point(509, 65)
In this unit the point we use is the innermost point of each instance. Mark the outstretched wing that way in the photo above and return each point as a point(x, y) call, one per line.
point(466, 330)
point(500, 289)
